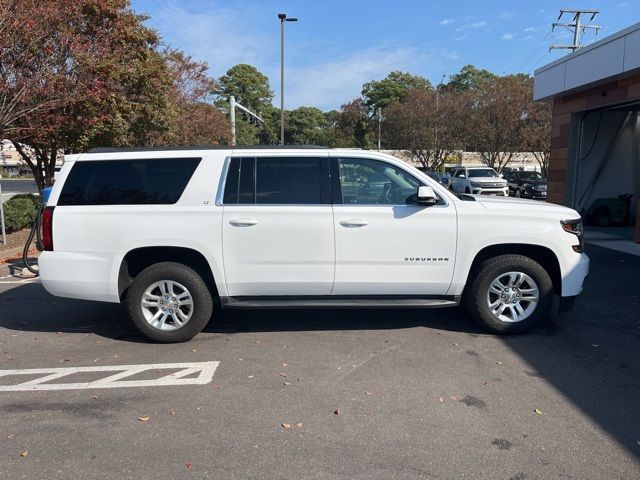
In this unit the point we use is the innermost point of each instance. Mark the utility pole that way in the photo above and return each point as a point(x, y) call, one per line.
point(379, 115)
point(438, 88)
point(283, 18)
point(577, 27)
point(233, 104)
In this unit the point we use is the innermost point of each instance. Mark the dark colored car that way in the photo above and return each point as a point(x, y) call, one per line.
point(526, 184)
point(442, 178)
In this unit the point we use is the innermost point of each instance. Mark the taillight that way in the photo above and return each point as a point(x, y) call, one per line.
point(47, 229)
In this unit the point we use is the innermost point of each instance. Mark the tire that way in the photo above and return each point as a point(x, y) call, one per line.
point(601, 216)
point(477, 296)
point(518, 193)
point(466, 190)
point(171, 279)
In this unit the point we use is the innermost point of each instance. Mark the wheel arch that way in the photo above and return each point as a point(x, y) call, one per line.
point(543, 255)
point(136, 260)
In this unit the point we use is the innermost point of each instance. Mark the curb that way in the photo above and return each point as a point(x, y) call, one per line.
point(14, 254)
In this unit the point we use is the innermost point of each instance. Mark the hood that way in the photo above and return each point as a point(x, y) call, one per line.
point(487, 180)
point(521, 204)
point(534, 182)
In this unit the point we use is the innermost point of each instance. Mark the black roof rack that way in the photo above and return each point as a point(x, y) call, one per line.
point(217, 147)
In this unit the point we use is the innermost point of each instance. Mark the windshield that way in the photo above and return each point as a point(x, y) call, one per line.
point(530, 176)
point(482, 172)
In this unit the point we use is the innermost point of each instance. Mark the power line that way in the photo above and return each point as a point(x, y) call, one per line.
point(577, 27)
point(535, 50)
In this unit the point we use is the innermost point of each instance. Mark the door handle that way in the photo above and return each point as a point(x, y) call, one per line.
point(243, 222)
point(353, 223)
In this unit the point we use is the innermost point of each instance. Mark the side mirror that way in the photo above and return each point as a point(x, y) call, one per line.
point(426, 196)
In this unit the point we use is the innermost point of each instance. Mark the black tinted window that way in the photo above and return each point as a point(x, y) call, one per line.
point(278, 180)
point(127, 182)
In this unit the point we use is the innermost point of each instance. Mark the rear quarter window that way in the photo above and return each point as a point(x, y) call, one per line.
point(128, 182)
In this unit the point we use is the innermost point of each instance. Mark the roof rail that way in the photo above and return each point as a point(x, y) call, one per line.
point(216, 147)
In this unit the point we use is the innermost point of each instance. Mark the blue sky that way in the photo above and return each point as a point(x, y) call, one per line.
point(336, 46)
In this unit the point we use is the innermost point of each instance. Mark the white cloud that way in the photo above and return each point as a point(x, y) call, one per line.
point(508, 36)
point(473, 26)
point(331, 83)
point(446, 21)
point(530, 29)
point(460, 38)
point(624, 4)
point(528, 37)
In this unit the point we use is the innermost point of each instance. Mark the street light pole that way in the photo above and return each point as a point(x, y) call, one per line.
point(283, 18)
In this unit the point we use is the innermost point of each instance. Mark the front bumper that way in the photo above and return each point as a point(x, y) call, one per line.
point(574, 275)
point(500, 192)
point(537, 194)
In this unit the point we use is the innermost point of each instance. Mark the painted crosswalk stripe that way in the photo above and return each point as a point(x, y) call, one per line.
point(115, 376)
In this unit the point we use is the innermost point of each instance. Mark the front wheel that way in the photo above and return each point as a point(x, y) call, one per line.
point(518, 193)
point(510, 294)
point(169, 302)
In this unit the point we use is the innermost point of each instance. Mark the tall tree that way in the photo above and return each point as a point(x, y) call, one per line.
point(305, 126)
point(192, 118)
point(93, 77)
point(536, 134)
point(499, 112)
point(393, 88)
point(469, 78)
point(429, 125)
point(249, 86)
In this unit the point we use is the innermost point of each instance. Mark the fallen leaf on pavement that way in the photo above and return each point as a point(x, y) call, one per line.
point(538, 411)
point(172, 412)
point(95, 397)
point(336, 412)
point(285, 364)
point(188, 465)
point(368, 392)
point(286, 425)
point(144, 418)
point(10, 436)
point(299, 424)
point(25, 453)
point(96, 359)
point(282, 374)
point(257, 342)
point(287, 383)
point(194, 350)
point(441, 399)
point(63, 359)
point(498, 363)
point(250, 376)
point(240, 359)
point(456, 344)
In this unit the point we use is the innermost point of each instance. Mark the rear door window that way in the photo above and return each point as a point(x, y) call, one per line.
point(278, 181)
point(128, 182)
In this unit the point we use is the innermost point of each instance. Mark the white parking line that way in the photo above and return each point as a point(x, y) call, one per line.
point(113, 380)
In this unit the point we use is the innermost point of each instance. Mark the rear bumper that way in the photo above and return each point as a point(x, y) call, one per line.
point(86, 276)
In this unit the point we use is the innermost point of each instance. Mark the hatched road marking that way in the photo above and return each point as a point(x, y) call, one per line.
point(115, 378)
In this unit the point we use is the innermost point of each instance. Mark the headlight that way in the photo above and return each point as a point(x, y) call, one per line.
point(575, 228)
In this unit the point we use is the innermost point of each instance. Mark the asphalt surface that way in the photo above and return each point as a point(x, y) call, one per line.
point(418, 393)
point(13, 187)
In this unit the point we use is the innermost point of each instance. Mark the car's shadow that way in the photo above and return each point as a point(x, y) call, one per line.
point(29, 308)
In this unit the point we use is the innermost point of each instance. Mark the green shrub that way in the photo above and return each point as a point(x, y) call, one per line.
point(36, 200)
point(19, 213)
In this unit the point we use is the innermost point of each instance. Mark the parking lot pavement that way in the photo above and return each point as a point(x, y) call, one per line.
point(365, 393)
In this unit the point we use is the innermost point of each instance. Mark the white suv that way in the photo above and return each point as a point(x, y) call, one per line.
point(478, 181)
point(171, 231)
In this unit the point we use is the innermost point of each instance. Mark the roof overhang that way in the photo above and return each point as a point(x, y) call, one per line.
point(614, 56)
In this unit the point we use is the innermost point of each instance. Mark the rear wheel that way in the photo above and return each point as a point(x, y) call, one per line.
point(518, 193)
point(169, 302)
point(510, 294)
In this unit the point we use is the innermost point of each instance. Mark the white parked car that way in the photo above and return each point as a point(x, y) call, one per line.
point(478, 181)
point(170, 231)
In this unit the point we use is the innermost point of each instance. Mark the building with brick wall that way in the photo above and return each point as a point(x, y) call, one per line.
point(595, 145)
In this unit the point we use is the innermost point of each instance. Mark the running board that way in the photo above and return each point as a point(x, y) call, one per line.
point(341, 302)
